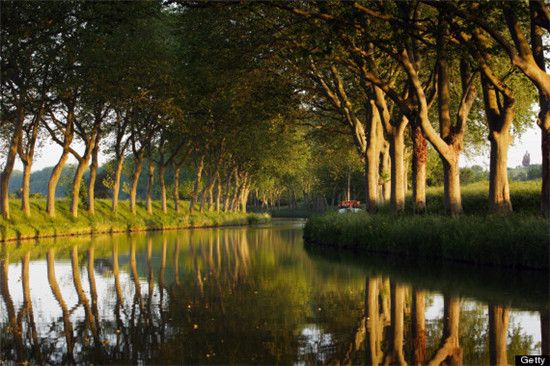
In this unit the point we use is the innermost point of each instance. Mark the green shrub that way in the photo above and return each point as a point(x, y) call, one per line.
point(514, 241)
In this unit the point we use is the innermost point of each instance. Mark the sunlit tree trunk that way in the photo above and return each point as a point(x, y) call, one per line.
point(499, 111)
point(419, 162)
point(93, 176)
point(77, 181)
point(176, 193)
point(26, 154)
point(150, 181)
point(26, 188)
point(58, 168)
point(372, 158)
point(543, 85)
point(398, 178)
point(10, 161)
point(194, 195)
point(138, 164)
point(227, 191)
point(116, 183)
point(218, 193)
point(162, 183)
point(385, 172)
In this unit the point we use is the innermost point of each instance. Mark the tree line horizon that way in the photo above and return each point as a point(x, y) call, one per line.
point(272, 99)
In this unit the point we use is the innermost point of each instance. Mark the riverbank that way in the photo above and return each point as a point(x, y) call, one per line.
point(105, 221)
point(517, 241)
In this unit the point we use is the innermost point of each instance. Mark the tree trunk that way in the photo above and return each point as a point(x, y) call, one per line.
point(218, 193)
point(176, 188)
point(116, 183)
point(227, 191)
point(542, 82)
point(27, 155)
point(451, 186)
point(498, 334)
point(372, 159)
point(93, 175)
point(163, 204)
point(385, 173)
point(138, 162)
point(150, 181)
point(397, 152)
point(77, 180)
point(545, 145)
point(236, 192)
point(499, 188)
point(26, 188)
point(499, 112)
point(10, 161)
point(211, 193)
point(200, 167)
point(419, 161)
point(52, 183)
point(244, 194)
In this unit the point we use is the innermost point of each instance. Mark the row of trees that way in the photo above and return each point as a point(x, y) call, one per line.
point(136, 80)
point(388, 67)
point(249, 96)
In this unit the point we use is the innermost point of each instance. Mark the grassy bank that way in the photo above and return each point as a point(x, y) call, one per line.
point(520, 241)
point(40, 225)
point(525, 198)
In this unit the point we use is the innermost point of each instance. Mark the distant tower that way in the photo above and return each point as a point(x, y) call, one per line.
point(526, 159)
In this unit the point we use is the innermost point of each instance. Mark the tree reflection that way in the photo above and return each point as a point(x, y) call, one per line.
point(418, 322)
point(82, 299)
point(240, 296)
point(545, 330)
point(14, 322)
point(449, 349)
point(499, 317)
point(395, 353)
point(67, 325)
point(27, 309)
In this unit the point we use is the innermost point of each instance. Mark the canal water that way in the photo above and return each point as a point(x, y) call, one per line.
point(256, 295)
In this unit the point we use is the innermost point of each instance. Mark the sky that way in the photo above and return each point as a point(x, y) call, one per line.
point(530, 141)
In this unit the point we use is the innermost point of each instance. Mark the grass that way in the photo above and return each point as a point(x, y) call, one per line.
point(104, 220)
point(520, 240)
point(525, 198)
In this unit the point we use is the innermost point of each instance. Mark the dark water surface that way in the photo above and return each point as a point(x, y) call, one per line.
point(256, 296)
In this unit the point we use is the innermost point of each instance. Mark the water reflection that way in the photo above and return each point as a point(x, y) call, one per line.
point(252, 296)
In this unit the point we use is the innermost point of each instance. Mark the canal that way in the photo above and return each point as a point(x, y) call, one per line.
point(256, 295)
